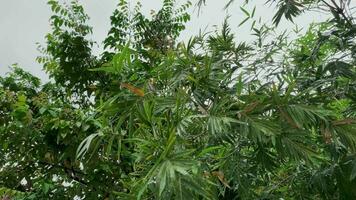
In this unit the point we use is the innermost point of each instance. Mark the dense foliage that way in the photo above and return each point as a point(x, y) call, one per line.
point(213, 118)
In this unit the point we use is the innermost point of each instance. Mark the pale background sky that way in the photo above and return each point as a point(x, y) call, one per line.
point(23, 23)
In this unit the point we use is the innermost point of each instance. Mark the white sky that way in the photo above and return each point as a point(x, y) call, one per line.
point(23, 23)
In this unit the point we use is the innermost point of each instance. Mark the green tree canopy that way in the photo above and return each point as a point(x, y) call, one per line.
point(210, 118)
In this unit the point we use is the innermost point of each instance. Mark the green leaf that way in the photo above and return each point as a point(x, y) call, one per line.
point(253, 12)
point(162, 177)
point(243, 21)
point(353, 171)
point(85, 145)
point(245, 11)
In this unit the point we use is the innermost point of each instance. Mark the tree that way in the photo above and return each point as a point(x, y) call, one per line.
point(208, 119)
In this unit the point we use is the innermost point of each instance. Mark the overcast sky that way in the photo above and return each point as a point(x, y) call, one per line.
point(23, 23)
